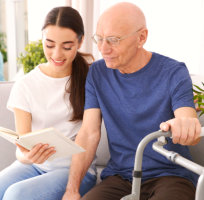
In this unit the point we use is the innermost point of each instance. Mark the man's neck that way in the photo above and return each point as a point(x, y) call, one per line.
point(141, 60)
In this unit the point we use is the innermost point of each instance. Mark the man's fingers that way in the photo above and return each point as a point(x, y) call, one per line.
point(173, 126)
point(164, 126)
point(185, 131)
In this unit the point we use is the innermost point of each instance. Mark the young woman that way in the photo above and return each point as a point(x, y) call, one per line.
point(51, 95)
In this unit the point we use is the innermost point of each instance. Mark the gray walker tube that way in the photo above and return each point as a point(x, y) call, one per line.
point(170, 155)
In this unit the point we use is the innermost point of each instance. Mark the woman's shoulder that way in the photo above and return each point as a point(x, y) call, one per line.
point(27, 79)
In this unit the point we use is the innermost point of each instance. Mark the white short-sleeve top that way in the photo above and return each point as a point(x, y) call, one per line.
point(44, 97)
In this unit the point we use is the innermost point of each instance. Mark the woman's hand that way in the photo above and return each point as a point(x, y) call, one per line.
point(38, 154)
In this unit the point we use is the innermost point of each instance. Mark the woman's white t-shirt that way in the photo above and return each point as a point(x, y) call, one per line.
point(45, 98)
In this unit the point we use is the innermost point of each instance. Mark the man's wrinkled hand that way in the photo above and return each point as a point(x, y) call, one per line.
point(185, 131)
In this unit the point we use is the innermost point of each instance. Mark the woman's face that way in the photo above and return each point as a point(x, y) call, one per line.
point(60, 47)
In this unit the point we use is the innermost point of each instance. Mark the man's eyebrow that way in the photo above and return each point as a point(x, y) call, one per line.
point(66, 42)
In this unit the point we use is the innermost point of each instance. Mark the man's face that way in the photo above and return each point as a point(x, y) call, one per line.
point(120, 56)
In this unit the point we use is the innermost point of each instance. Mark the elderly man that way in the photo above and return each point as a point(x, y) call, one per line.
point(136, 92)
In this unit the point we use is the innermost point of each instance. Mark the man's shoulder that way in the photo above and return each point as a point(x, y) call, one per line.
point(167, 62)
point(98, 64)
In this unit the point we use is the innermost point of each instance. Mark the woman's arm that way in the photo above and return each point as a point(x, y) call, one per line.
point(41, 152)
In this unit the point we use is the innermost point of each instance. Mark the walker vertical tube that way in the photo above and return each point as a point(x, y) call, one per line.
point(137, 173)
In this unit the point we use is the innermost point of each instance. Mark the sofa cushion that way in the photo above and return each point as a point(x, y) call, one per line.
point(102, 153)
point(197, 151)
point(7, 155)
point(6, 117)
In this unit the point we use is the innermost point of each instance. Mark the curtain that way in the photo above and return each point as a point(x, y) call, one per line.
point(89, 10)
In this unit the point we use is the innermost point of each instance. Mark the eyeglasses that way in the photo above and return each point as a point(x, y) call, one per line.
point(113, 41)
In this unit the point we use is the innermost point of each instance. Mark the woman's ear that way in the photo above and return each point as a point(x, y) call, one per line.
point(81, 42)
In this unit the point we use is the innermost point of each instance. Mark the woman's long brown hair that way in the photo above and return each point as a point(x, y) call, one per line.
point(68, 17)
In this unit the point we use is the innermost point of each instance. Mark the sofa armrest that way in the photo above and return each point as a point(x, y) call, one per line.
point(197, 151)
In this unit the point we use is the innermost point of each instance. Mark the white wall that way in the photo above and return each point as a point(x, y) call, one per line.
point(37, 11)
point(176, 29)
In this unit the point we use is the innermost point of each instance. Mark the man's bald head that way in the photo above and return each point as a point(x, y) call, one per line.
point(124, 15)
point(125, 23)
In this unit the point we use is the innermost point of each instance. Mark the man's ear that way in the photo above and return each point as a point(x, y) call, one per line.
point(142, 37)
point(81, 42)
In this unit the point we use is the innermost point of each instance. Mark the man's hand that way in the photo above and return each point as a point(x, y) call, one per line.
point(71, 196)
point(185, 131)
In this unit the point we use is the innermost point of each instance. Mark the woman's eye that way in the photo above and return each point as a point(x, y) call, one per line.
point(65, 48)
point(68, 48)
point(48, 46)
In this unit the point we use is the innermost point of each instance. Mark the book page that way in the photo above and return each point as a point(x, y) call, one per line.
point(10, 138)
point(64, 146)
point(8, 134)
point(8, 131)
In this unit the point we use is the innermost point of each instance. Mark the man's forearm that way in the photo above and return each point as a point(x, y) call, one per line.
point(81, 162)
point(78, 170)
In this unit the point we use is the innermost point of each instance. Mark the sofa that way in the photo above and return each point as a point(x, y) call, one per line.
point(7, 150)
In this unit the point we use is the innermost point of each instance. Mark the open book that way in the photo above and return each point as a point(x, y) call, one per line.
point(63, 145)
